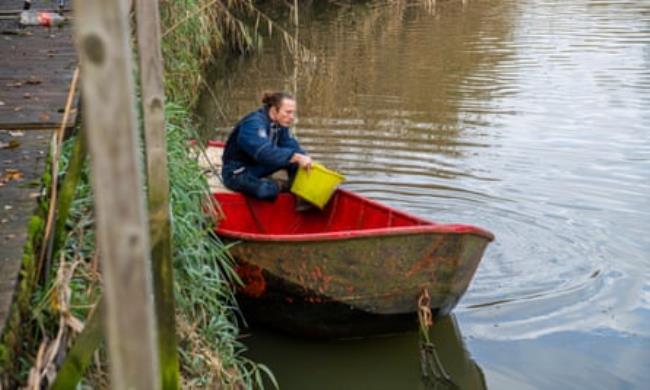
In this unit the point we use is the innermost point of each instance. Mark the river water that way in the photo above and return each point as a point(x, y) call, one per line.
point(530, 118)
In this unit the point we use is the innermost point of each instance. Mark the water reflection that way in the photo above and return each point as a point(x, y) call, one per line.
point(380, 363)
point(387, 98)
point(527, 117)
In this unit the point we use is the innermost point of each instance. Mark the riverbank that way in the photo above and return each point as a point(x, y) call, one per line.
point(528, 118)
point(36, 67)
point(43, 324)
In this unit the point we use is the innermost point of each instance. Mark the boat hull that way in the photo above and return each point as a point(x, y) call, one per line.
point(355, 286)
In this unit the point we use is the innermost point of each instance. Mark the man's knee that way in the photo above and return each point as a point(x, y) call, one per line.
point(267, 190)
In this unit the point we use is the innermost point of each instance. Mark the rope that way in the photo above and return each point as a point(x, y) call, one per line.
point(433, 372)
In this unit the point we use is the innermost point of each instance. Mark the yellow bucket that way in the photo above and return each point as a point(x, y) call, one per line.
point(317, 185)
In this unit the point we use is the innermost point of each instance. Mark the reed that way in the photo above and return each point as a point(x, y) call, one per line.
point(210, 352)
point(194, 32)
point(204, 273)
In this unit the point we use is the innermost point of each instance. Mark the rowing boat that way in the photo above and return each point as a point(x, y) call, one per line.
point(355, 268)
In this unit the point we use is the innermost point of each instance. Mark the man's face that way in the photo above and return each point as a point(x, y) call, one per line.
point(285, 115)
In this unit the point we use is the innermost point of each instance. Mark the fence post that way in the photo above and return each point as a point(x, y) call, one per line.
point(153, 104)
point(102, 35)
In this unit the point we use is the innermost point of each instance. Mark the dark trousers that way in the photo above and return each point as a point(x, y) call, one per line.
point(253, 181)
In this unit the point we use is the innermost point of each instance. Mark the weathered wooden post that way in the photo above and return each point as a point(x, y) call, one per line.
point(102, 36)
point(153, 104)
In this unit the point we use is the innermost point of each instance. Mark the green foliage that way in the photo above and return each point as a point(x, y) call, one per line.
point(16, 335)
point(194, 31)
point(3, 355)
point(204, 274)
point(206, 308)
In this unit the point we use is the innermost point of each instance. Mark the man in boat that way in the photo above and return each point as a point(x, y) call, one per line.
point(262, 144)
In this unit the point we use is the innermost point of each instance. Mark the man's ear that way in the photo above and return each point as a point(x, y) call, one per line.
point(273, 112)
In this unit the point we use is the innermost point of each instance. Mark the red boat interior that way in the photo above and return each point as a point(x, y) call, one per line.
point(346, 214)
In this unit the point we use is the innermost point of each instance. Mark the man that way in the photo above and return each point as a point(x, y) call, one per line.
point(261, 144)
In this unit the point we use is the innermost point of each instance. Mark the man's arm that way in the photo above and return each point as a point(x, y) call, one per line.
point(253, 139)
point(302, 160)
point(288, 140)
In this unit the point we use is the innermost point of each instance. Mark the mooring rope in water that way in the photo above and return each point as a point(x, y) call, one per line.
point(433, 372)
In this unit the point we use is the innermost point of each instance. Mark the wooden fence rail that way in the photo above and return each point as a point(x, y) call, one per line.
point(102, 35)
point(153, 105)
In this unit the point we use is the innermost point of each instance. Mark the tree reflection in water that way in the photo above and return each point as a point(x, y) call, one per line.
point(391, 362)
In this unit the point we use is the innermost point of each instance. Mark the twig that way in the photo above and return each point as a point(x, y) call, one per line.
point(214, 99)
point(307, 54)
point(188, 17)
point(45, 255)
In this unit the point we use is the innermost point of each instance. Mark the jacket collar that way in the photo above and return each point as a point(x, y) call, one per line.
point(265, 111)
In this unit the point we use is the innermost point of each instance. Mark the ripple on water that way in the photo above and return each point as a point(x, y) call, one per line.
point(528, 118)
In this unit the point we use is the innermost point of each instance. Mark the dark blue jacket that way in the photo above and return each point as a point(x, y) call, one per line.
point(256, 140)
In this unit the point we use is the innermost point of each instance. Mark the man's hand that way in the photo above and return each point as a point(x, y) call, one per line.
point(302, 160)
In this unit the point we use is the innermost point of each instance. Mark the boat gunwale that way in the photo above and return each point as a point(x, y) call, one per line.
point(427, 227)
point(362, 233)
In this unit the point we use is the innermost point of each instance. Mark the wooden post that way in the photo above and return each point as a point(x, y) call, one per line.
point(153, 104)
point(68, 190)
point(81, 353)
point(102, 36)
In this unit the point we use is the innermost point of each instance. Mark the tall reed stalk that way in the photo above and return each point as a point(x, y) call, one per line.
point(194, 31)
point(211, 353)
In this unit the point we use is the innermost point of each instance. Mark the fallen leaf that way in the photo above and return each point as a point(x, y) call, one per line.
point(12, 144)
point(2, 103)
point(16, 133)
point(33, 80)
point(44, 117)
point(54, 302)
point(74, 323)
point(17, 84)
point(12, 174)
point(20, 33)
point(27, 95)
